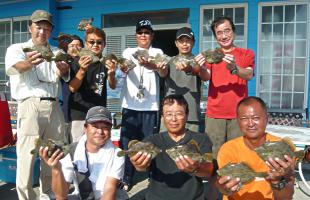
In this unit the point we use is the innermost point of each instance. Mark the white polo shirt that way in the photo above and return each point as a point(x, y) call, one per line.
point(39, 81)
point(129, 98)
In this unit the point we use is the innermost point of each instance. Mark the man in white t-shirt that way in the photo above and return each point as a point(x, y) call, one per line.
point(93, 163)
point(140, 94)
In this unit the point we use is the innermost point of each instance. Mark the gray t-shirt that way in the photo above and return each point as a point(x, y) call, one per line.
point(188, 85)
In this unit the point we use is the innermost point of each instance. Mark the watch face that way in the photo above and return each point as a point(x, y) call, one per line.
point(280, 185)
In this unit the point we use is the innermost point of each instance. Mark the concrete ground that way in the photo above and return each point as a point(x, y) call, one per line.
point(8, 191)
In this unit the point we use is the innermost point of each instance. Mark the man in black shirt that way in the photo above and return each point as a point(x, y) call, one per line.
point(181, 179)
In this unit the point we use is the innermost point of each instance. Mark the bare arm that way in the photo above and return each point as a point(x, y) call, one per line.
point(110, 189)
point(59, 185)
point(111, 66)
point(203, 73)
point(244, 73)
point(77, 80)
point(33, 59)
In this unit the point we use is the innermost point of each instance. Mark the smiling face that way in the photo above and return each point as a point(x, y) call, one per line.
point(95, 43)
point(98, 133)
point(252, 119)
point(175, 118)
point(40, 32)
point(184, 45)
point(224, 35)
point(144, 38)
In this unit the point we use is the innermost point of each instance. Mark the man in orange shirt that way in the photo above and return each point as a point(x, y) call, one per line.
point(252, 119)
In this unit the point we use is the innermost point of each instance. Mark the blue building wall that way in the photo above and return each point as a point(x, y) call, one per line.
point(66, 20)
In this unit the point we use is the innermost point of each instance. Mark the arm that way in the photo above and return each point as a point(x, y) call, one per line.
point(110, 189)
point(77, 80)
point(33, 59)
point(244, 73)
point(141, 161)
point(203, 73)
point(111, 66)
point(59, 185)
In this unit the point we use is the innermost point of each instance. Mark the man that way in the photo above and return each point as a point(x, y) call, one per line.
point(35, 85)
point(89, 81)
point(184, 79)
point(75, 46)
point(140, 94)
point(228, 84)
point(94, 162)
point(252, 119)
point(181, 179)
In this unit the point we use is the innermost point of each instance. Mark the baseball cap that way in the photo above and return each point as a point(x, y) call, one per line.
point(98, 114)
point(185, 31)
point(41, 15)
point(144, 23)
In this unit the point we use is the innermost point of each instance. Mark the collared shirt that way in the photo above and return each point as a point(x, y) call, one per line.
point(40, 81)
point(150, 83)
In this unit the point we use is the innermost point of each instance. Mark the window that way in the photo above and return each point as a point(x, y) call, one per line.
point(282, 57)
point(13, 30)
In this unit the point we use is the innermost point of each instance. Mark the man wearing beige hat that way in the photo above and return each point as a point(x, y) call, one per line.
point(36, 87)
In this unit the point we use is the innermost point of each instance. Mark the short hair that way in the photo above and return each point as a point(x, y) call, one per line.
point(173, 98)
point(251, 99)
point(97, 31)
point(221, 20)
point(75, 37)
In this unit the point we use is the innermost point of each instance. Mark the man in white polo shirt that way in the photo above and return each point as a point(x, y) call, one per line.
point(36, 87)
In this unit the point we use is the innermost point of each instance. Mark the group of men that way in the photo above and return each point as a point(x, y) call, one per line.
point(94, 164)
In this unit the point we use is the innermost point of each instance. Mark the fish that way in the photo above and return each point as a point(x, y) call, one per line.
point(141, 54)
point(46, 52)
point(190, 149)
point(135, 146)
point(184, 59)
point(213, 56)
point(278, 149)
point(52, 145)
point(84, 23)
point(240, 170)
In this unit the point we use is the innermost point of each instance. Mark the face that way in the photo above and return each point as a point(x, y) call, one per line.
point(174, 118)
point(98, 133)
point(225, 35)
point(95, 43)
point(74, 47)
point(144, 38)
point(184, 45)
point(40, 32)
point(252, 120)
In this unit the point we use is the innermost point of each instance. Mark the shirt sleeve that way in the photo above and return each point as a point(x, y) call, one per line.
point(67, 168)
point(14, 54)
point(117, 170)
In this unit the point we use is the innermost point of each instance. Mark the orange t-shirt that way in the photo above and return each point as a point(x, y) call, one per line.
point(236, 151)
point(225, 89)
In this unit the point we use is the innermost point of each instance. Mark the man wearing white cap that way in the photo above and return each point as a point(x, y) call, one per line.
point(36, 87)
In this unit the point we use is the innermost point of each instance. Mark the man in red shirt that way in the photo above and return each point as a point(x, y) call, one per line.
point(228, 84)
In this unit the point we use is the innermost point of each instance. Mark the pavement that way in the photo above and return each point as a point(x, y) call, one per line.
point(8, 191)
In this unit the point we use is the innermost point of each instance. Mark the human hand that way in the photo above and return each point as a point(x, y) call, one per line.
point(182, 66)
point(84, 62)
point(200, 59)
point(280, 168)
point(228, 185)
point(187, 164)
point(144, 62)
point(52, 161)
point(34, 58)
point(141, 160)
point(231, 62)
point(63, 67)
point(111, 66)
point(161, 65)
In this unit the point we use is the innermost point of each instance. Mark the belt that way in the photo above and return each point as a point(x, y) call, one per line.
point(47, 98)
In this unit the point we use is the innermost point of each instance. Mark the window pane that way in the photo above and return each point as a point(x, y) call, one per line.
point(265, 83)
point(239, 32)
point(289, 31)
point(265, 49)
point(288, 65)
point(277, 49)
point(218, 13)
point(266, 13)
point(230, 12)
point(276, 83)
point(278, 31)
point(299, 83)
point(298, 100)
point(289, 13)
point(265, 96)
point(300, 48)
point(300, 66)
point(302, 13)
point(265, 66)
point(207, 16)
point(24, 26)
point(276, 65)
point(287, 83)
point(288, 49)
point(266, 31)
point(239, 15)
point(278, 14)
point(301, 31)
point(286, 100)
point(16, 27)
point(275, 100)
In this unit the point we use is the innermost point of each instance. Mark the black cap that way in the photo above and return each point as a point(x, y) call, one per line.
point(185, 31)
point(98, 114)
point(144, 23)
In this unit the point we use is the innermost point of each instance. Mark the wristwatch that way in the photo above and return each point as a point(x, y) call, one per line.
point(234, 70)
point(280, 185)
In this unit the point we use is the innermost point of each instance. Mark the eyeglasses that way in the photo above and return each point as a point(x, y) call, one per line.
point(144, 32)
point(226, 32)
point(177, 115)
point(93, 42)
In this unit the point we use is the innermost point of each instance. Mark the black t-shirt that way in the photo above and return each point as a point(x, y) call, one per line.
point(92, 92)
point(167, 181)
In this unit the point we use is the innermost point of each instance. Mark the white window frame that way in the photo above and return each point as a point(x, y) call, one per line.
point(217, 6)
point(260, 5)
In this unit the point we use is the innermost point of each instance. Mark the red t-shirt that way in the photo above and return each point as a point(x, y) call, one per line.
point(225, 89)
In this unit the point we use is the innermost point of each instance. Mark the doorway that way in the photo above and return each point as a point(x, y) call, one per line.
point(164, 40)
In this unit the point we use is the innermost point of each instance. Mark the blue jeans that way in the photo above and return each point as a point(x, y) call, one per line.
point(136, 125)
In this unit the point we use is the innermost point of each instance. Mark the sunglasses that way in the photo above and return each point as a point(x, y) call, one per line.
point(98, 42)
point(144, 32)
